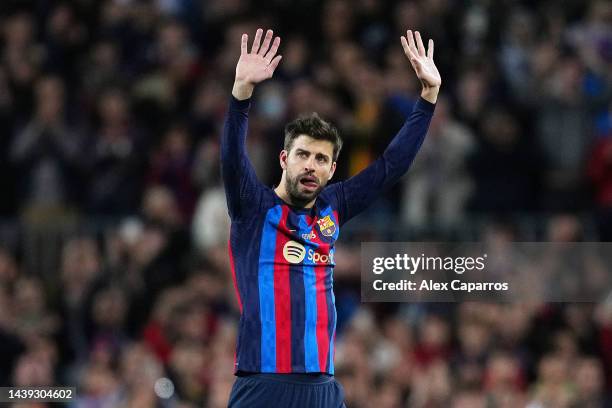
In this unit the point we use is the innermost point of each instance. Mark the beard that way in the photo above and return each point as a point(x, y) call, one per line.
point(301, 195)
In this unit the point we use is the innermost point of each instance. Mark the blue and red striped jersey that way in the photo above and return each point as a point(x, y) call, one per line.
point(282, 257)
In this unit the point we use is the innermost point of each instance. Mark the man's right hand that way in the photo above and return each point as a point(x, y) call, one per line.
point(255, 66)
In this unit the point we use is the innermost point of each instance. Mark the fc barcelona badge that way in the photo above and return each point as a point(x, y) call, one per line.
point(326, 226)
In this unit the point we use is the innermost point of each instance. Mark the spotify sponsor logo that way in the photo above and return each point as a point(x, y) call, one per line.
point(294, 252)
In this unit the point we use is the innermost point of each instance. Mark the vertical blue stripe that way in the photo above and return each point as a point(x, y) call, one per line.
point(266, 289)
point(311, 350)
point(332, 317)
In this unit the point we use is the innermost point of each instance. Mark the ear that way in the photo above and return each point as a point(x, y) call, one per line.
point(283, 159)
point(332, 171)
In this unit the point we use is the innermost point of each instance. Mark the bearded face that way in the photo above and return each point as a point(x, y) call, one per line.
point(303, 187)
point(308, 167)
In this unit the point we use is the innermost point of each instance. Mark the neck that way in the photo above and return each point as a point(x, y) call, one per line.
point(284, 195)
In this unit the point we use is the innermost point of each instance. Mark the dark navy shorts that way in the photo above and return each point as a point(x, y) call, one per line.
point(286, 391)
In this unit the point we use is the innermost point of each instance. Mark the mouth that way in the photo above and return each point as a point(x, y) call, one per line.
point(310, 182)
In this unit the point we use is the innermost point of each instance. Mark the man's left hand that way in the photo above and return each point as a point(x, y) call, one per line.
point(423, 64)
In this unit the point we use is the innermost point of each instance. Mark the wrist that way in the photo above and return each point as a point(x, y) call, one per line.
point(242, 90)
point(430, 94)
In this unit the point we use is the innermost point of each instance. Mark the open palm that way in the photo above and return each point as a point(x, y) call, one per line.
point(259, 64)
point(421, 61)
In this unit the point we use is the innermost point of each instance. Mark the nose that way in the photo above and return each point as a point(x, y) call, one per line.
point(310, 164)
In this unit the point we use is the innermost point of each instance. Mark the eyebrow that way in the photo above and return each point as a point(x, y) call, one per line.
point(300, 150)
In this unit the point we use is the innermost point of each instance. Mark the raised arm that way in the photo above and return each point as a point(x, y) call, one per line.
point(356, 193)
point(242, 188)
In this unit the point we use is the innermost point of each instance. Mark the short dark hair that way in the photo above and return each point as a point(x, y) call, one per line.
point(313, 126)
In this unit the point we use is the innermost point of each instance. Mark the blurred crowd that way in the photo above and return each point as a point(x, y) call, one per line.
point(110, 116)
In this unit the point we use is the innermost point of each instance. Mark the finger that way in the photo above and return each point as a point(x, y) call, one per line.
point(411, 44)
point(430, 49)
point(256, 41)
point(243, 44)
point(404, 44)
point(274, 64)
point(266, 43)
point(273, 49)
point(419, 42)
point(409, 52)
point(413, 56)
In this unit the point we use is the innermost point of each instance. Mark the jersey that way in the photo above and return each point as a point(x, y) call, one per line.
point(282, 257)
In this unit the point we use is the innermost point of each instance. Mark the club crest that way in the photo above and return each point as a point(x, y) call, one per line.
point(326, 226)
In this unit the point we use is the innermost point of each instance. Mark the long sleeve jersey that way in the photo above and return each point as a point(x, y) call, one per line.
point(282, 257)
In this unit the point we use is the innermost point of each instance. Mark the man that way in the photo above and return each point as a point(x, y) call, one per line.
point(282, 240)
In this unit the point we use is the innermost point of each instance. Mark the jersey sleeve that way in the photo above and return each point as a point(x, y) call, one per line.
point(243, 190)
point(355, 194)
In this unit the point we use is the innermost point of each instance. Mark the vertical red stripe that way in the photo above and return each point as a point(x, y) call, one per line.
point(282, 298)
point(322, 315)
point(231, 259)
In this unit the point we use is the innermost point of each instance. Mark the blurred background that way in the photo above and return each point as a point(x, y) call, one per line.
point(113, 228)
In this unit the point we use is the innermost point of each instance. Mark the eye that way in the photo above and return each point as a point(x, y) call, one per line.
point(302, 155)
point(322, 159)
